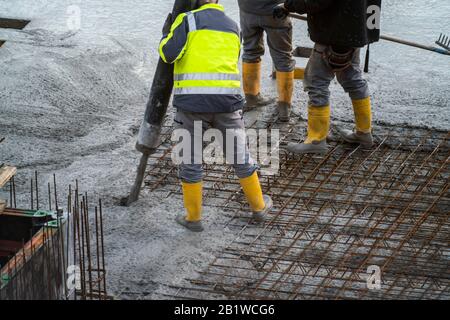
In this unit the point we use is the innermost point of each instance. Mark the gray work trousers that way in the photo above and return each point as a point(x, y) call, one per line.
point(318, 76)
point(279, 39)
point(229, 125)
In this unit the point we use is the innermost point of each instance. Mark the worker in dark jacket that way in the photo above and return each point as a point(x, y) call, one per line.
point(204, 45)
point(256, 18)
point(339, 29)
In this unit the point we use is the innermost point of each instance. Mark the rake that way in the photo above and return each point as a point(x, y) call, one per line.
point(444, 42)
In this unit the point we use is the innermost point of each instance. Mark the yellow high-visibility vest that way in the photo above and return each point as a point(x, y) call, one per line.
point(206, 58)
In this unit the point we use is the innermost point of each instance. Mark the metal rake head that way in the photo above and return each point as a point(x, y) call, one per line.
point(444, 41)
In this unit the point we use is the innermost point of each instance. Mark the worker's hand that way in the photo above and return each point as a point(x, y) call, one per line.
point(167, 25)
point(280, 12)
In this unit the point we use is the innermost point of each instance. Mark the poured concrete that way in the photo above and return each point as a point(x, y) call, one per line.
point(71, 102)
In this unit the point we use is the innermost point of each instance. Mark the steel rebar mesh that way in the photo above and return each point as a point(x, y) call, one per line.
point(334, 217)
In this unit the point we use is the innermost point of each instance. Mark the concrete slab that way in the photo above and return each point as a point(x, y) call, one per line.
point(71, 101)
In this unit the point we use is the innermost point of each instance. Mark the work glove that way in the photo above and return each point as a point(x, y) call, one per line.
point(167, 25)
point(280, 12)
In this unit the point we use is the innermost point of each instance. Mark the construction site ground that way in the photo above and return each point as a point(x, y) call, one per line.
point(71, 102)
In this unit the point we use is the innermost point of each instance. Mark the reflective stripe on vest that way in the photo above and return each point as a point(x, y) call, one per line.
point(207, 76)
point(191, 22)
point(207, 90)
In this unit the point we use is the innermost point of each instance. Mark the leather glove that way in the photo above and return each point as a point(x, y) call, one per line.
point(167, 25)
point(280, 12)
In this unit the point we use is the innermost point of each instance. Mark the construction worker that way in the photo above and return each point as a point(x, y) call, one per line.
point(204, 45)
point(256, 18)
point(339, 29)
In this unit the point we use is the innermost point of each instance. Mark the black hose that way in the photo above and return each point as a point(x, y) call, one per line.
point(366, 65)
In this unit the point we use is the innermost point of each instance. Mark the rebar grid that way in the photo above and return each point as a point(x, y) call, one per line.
point(334, 217)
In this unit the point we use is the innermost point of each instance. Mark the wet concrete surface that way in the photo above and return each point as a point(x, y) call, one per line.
point(71, 101)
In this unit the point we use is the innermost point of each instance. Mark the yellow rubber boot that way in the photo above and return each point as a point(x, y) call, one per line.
point(193, 198)
point(299, 73)
point(285, 84)
point(362, 134)
point(192, 195)
point(253, 192)
point(363, 115)
point(318, 127)
point(318, 123)
point(251, 76)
